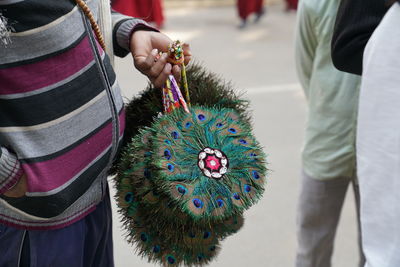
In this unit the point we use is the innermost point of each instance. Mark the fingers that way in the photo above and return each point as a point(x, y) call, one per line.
point(163, 76)
point(176, 71)
point(187, 52)
point(156, 69)
point(144, 64)
point(187, 59)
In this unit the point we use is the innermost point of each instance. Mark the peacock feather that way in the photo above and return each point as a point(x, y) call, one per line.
point(184, 179)
point(207, 163)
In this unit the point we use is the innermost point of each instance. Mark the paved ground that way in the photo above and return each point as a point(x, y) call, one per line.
point(260, 61)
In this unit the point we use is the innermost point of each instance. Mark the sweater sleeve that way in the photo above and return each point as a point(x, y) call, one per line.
point(355, 23)
point(10, 170)
point(306, 45)
point(123, 27)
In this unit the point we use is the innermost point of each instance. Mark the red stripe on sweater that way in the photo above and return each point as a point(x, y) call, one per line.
point(51, 174)
point(30, 77)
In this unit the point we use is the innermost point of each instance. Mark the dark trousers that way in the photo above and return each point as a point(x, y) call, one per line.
point(85, 243)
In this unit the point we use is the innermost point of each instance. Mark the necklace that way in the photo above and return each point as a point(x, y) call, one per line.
point(88, 13)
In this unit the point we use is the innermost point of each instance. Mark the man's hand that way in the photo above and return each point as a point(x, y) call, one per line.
point(19, 189)
point(145, 46)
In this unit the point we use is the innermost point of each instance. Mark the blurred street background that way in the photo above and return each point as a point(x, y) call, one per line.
point(259, 61)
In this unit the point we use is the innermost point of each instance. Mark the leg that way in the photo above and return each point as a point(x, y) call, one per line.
point(260, 10)
point(243, 12)
point(242, 9)
point(11, 241)
point(356, 190)
point(86, 243)
point(259, 6)
point(319, 210)
point(99, 240)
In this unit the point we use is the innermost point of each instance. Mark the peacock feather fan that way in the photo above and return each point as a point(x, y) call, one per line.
point(184, 179)
point(203, 165)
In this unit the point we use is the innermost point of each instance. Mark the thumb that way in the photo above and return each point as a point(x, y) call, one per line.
point(160, 41)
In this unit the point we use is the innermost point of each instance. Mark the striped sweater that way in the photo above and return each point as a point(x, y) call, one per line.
point(61, 112)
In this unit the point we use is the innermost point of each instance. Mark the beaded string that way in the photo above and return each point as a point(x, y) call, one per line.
point(82, 4)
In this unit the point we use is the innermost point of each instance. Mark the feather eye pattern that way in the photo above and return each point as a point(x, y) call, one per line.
point(217, 125)
point(202, 116)
point(125, 198)
point(256, 176)
point(220, 206)
point(234, 129)
point(180, 191)
point(196, 172)
point(197, 206)
point(187, 124)
point(245, 141)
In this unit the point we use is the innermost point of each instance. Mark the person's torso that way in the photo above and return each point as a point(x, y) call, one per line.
point(59, 108)
point(329, 149)
point(378, 143)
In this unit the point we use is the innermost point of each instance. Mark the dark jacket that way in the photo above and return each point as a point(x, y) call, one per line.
point(355, 23)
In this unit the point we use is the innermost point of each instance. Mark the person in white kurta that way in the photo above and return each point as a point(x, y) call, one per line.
point(378, 144)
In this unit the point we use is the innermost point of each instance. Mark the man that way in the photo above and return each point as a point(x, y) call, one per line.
point(329, 155)
point(367, 42)
point(61, 122)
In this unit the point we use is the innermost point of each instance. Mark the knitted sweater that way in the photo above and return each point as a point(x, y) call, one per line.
point(61, 112)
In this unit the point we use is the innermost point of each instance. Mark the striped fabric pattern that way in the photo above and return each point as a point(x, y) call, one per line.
point(60, 107)
point(9, 167)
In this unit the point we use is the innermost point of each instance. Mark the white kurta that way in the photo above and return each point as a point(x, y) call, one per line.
point(378, 144)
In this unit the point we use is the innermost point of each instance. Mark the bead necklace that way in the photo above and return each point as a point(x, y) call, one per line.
point(85, 8)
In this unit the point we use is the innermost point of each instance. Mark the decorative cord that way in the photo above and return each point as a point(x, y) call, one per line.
point(88, 13)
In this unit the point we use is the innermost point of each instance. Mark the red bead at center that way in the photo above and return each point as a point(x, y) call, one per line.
point(212, 162)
